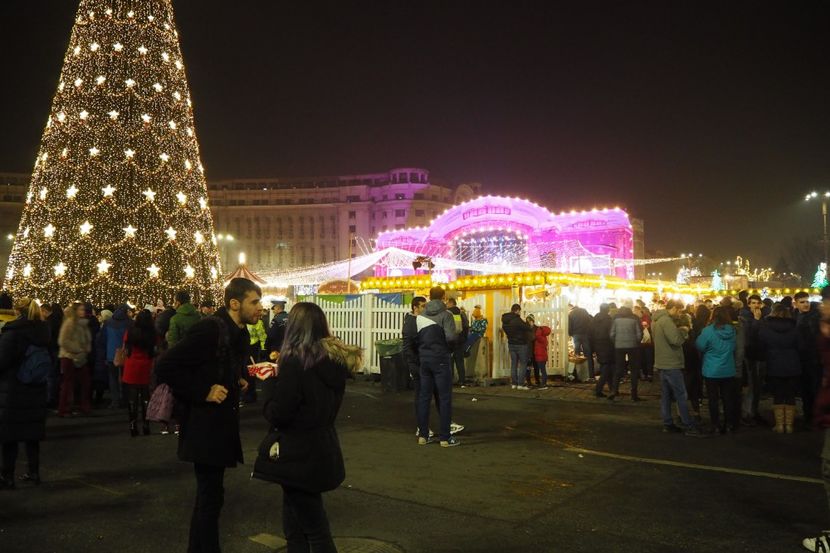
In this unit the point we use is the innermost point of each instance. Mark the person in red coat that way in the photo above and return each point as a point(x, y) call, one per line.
point(140, 344)
point(540, 353)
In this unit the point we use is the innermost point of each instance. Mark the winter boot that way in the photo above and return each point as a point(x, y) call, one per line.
point(778, 411)
point(789, 418)
point(132, 410)
point(145, 424)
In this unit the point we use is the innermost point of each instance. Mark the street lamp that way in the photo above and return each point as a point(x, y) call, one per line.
point(824, 197)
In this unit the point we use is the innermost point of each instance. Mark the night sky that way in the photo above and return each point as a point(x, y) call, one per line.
point(710, 120)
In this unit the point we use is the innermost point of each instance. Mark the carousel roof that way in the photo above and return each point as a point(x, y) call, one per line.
point(242, 271)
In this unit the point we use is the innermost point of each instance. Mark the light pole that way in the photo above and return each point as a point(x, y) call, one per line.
point(824, 197)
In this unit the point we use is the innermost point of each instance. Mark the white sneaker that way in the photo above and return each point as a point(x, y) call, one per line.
point(819, 544)
point(431, 433)
point(523, 388)
point(455, 428)
point(513, 386)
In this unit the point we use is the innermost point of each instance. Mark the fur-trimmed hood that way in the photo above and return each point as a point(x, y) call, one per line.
point(340, 352)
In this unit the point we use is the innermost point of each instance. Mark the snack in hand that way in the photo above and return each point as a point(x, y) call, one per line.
point(262, 369)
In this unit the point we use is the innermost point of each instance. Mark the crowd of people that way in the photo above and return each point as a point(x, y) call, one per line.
point(67, 359)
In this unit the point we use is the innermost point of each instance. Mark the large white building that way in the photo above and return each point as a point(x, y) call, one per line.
point(293, 222)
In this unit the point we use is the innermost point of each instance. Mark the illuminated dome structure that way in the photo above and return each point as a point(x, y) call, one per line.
point(501, 234)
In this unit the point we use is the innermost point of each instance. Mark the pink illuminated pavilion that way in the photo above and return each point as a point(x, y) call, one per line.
point(509, 234)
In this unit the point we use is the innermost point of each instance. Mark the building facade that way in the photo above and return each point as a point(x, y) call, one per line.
point(280, 223)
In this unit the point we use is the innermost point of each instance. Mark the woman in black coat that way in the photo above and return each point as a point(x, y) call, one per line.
point(779, 337)
point(603, 346)
point(22, 406)
point(302, 453)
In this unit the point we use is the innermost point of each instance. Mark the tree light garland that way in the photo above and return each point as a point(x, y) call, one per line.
point(111, 154)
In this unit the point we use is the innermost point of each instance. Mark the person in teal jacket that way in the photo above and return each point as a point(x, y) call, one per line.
point(717, 346)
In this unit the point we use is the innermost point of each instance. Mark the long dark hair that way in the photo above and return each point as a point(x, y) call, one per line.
point(306, 327)
point(721, 317)
point(143, 333)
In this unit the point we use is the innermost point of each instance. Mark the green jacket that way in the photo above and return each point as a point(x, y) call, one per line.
point(258, 334)
point(185, 317)
point(668, 341)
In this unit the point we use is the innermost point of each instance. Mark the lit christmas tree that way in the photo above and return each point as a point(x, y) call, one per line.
point(717, 281)
point(820, 278)
point(117, 207)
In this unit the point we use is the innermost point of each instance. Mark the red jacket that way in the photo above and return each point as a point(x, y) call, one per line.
point(137, 366)
point(540, 343)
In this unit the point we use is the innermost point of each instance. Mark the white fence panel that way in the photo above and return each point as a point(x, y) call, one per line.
point(362, 322)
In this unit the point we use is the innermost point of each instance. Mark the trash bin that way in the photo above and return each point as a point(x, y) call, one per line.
point(394, 374)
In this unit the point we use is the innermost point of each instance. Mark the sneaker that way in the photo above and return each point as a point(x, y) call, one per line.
point(425, 441)
point(671, 429)
point(513, 386)
point(31, 478)
point(431, 433)
point(695, 432)
point(522, 388)
point(817, 544)
point(452, 442)
point(164, 431)
point(454, 428)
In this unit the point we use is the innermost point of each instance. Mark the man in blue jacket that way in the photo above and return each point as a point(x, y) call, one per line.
point(436, 337)
point(114, 330)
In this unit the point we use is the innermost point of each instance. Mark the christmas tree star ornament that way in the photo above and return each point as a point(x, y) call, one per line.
point(150, 195)
point(49, 230)
point(108, 191)
point(103, 267)
point(86, 227)
point(189, 272)
point(198, 237)
point(130, 83)
point(71, 192)
point(60, 269)
point(113, 114)
point(171, 233)
point(142, 50)
point(153, 270)
point(181, 197)
point(129, 231)
point(27, 270)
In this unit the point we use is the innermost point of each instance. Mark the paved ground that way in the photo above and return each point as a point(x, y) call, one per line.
point(536, 471)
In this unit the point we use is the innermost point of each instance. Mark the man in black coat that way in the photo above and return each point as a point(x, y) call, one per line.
point(462, 327)
point(808, 319)
point(205, 372)
point(604, 348)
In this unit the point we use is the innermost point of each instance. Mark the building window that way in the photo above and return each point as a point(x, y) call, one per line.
point(332, 226)
point(419, 213)
point(352, 198)
point(403, 177)
point(419, 196)
point(352, 214)
point(384, 215)
point(352, 228)
point(400, 213)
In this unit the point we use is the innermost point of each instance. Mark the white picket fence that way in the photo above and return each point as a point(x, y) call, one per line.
point(367, 319)
point(362, 322)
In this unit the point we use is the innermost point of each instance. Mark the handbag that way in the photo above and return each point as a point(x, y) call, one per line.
point(160, 407)
point(120, 353)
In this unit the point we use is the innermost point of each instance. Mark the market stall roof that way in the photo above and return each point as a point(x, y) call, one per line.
point(242, 271)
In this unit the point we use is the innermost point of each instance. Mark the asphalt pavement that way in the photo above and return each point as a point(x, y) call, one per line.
point(536, 471)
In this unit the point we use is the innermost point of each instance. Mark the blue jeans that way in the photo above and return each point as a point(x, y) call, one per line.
point(435, 372)
point(672, 385)
point(116, 395)
point(540, 372)
point(518, 363)
point(582, 345)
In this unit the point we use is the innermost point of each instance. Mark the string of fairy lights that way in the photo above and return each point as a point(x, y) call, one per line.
point(117, 207)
